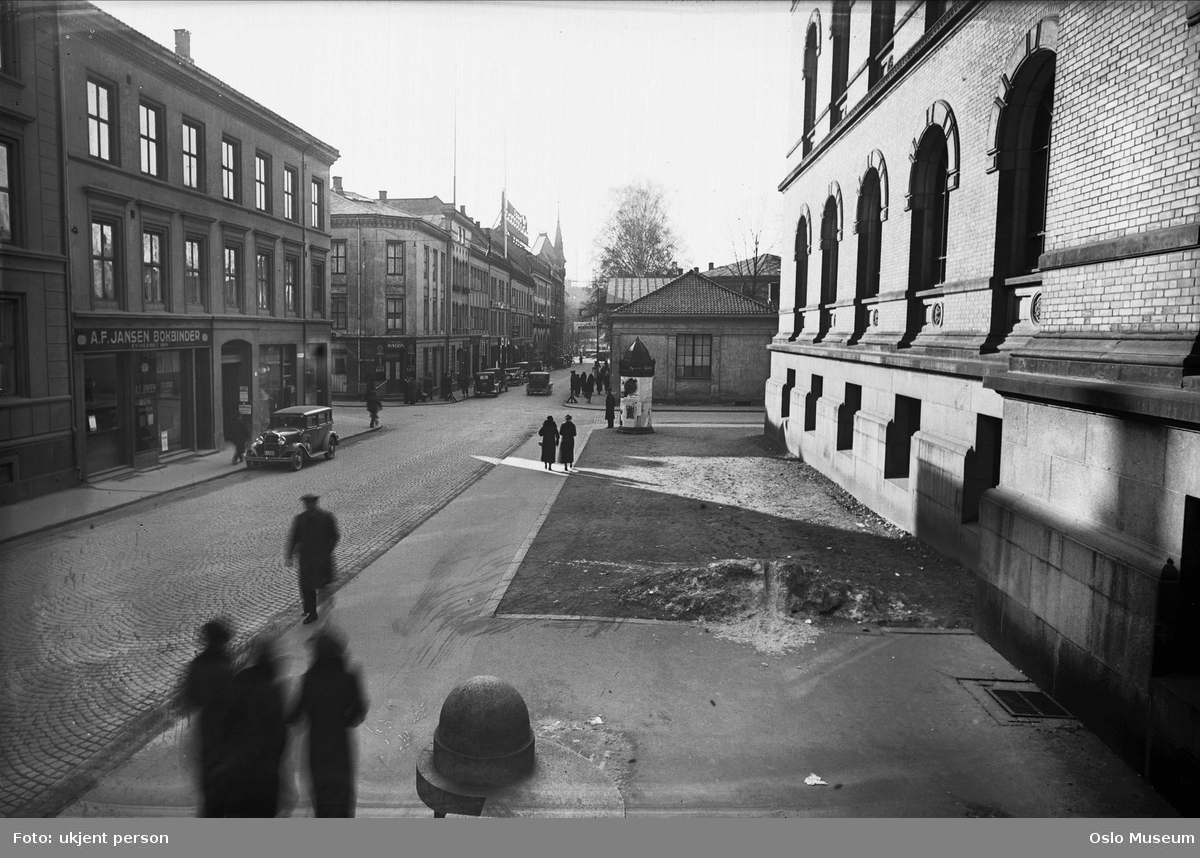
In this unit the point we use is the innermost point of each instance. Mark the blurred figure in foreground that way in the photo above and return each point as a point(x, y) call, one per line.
point(331, 699)
point(257, 736)
point(206, 691)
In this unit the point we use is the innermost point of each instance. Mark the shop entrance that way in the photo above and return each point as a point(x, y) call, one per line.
point(236, 390)
point(105, 402)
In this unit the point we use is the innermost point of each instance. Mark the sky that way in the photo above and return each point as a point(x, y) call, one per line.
point(560, 102)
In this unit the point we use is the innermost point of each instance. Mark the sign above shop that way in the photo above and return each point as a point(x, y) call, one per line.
point(109, 339)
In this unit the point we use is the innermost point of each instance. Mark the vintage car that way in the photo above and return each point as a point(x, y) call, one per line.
point(294, 436)
point(515, 374)
point(534, 366)
point(539, 383)
point(486, 383)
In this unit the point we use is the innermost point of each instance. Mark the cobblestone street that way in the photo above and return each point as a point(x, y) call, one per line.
point(99, 618)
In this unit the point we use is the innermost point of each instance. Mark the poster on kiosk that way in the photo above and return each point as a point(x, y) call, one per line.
point(637, 389)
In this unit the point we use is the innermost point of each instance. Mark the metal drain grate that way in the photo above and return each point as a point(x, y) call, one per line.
point(1028, 704)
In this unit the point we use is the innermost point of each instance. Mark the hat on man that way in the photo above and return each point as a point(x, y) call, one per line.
point(310, 497)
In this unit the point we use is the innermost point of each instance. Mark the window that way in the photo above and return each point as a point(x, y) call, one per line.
point(930, 203)
point(317, 205)
point(104, 262)
point(337, 258)
point(289, 193)
point(233, 278)
point(883, 23)
point(841, 59)
point(693, 356)
point(11, 380)
point(193, 154)
point(829, 262)
point(337, 308)
point(291, 273)
point(318, 290)
point(6, 191)
point(193, 270)
point(100, 111)
point(812, 47)
point(230, 172)
point(262, 278)
point(152, 267)
point(149, 125)
point(898, 444)
point(395, 314)
point(395, 258)
point(983, 465)
point(934, 9)
point(870, 232)
point(8, 40)
point(262, 182)
point(816, 390)
point(800, 299)
point(845, 416)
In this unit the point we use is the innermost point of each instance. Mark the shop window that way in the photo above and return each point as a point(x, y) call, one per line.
point(693, 356)
point(12, 357)
point(900, 430)
point(849, 407)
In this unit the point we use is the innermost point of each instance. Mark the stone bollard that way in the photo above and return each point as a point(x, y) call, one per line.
point(483, 755)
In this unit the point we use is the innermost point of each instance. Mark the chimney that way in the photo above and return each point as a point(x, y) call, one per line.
point(710, 266)
point(463, 209)
point(183, 45)
point(696, 270)
point(337, 184)
point(383, 196)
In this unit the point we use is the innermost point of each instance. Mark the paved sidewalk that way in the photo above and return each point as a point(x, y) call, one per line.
point(857, 723)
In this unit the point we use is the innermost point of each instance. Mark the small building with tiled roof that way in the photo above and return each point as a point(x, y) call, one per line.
point(710, 342)
point(756, 277)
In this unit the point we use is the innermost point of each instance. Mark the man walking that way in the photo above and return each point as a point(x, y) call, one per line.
point(574, 388)
point(240, 438)
point(314, 535)
point(373, 406)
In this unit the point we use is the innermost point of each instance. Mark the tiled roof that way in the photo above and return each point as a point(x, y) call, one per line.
point(622, 290)
point(768, 267)
point(693, 294)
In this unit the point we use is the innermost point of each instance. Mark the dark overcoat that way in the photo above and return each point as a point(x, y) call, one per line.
point(549, 434)
point(206, 690)
point(332, 701)
point(610, 407)
point(257, 739)
point(314, 535)
point(566, 447)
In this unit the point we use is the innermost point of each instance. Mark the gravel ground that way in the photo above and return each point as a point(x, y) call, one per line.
point(718, 526)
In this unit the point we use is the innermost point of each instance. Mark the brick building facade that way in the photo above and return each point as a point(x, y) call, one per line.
point(988, 326)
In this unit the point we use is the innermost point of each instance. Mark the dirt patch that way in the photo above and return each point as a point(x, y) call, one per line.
point(717, 526)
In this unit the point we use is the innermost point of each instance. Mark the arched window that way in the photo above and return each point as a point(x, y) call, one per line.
point(812, 47)
point(934, 9)
point(883, 23)
point(840, 32)
point(1023, 141)
point(829, 261)
point(930, 204)
point(801, 264)
point(801, 295)
point(870, 234)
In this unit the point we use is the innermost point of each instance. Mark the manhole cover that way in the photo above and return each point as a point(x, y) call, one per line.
point(1028, 704)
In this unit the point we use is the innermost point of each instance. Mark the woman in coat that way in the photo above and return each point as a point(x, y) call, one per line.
point(331, 699)
point(549, 435)
point(566, 449)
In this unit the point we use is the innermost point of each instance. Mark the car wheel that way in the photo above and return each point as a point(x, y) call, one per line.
point(297, 459)
point(250, 466)
point(331, 452)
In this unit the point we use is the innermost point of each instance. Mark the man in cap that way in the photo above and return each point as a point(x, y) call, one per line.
point(314, 535)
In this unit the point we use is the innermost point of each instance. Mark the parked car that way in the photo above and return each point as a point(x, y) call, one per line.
point(539, 383)
point(515, 375)
point(486, 383)
point(294, 436)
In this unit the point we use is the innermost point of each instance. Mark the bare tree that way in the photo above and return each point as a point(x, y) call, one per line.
point(753, 265)
point(637, 239)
